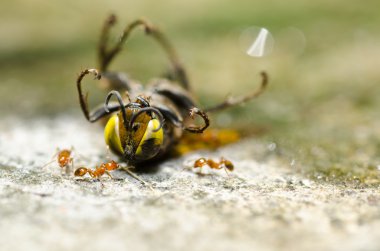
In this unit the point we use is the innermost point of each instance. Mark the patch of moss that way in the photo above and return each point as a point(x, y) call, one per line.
point(361, 175)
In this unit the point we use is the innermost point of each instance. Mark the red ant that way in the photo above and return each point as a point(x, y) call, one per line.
point(104, 168)
point(64, 159)
point(99, 171)
point(223, 163)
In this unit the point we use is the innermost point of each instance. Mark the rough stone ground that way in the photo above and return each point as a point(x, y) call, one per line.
point(262, 205)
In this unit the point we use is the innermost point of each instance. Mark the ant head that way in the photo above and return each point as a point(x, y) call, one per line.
point(64, 157)
point(200, 162)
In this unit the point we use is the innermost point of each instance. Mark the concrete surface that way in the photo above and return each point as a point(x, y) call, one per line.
point(263, 205)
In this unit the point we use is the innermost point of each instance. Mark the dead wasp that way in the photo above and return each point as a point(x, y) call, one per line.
point(154, 117)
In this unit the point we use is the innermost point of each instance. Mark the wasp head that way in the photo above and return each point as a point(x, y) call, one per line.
point(135, 132)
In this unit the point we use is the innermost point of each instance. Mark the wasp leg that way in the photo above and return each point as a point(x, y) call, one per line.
point(170, 116)
point(176, 95)
point(99, 112)
point(176, 121)
point(240, 100)
point(106, 55)
point(198, 129)
point(103, 54)
point(116, 80)
point(181, 99)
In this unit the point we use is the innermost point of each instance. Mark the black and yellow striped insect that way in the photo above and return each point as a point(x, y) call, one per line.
point(149, 120)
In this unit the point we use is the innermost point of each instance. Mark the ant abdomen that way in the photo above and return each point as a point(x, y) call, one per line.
point(81, 171)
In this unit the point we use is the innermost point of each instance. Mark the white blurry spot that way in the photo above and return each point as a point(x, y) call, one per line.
point(306, 183)
point(257, 49)
point(378, 167)
point(292, 40)
point(293, 163)
point(272, 146)
point(259, 41)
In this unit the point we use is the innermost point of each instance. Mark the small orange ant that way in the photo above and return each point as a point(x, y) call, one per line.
point(99, 171)
point(64, 159)
point(223, 163)
point(105, 168)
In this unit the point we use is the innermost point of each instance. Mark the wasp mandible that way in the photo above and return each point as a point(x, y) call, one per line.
point(149, 120)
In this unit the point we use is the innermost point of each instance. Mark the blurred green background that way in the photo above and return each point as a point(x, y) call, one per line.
point(321, 108)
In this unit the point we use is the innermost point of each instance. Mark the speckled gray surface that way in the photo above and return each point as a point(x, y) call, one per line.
point(263, 205)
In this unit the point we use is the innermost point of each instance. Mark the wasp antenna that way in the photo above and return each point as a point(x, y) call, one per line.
point(121, 103)
point(243, 99)
point(107, 53)
point(149, 109)
point(144, 101)
point(83, 97)
point(264, 83)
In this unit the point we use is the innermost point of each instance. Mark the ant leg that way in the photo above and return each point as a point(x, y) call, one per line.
point(198, 129)
point(106, 55)
point(45, 165)
point(221, 163)
point(109, 174)
point(200, 163)
point(101, 111)
point(225, 169)
point(52, 158)
point(69, 166)
point(227, 165)
point(240, 100)
point(92, 174)
point(200, 170)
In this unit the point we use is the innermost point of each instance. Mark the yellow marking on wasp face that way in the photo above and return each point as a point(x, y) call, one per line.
point(151, 134)
point(111, 135)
